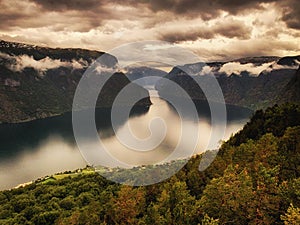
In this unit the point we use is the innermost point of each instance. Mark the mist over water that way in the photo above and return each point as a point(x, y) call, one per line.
point(44, 147)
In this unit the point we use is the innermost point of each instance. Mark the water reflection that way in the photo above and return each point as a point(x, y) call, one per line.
point(14, 138)
point(164, 110)
point(234, 113)
point(34, 149)
point(50, 156)
point(38, 148)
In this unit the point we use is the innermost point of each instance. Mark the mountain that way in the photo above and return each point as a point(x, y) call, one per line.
point(289, 61)
point(291, 92)
point(37, 82)
point(150, 75)
point(256, 83)
point(258, 60)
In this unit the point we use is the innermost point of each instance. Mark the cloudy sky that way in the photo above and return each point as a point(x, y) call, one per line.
point(214, 30)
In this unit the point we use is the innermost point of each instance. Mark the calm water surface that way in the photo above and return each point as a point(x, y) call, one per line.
point(43, 147)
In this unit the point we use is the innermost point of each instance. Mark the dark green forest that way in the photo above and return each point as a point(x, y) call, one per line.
point(253, 180)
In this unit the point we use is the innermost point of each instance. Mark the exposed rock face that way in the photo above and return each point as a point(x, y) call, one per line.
point(37, 82)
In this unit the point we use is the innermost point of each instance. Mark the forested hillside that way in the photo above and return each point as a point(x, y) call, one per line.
point(253, 180)
point(39, 82)
point(276, 84)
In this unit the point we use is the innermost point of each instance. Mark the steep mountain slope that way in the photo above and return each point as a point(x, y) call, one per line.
point(256, 84)
point(37, 82)
point(292, 90)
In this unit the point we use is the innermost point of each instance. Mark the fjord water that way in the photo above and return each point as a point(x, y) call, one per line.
point(43, 147)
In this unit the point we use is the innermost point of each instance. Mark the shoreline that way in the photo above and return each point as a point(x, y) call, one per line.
point(52, 115)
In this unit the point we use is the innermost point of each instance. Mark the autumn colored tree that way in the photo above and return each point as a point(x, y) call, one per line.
point(128, 205)
point(175, 205)
point(266, 195)
point(229, 197)
point(292, 216)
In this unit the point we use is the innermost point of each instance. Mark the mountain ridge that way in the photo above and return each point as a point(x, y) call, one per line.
point(38, 82)
point(240, 88)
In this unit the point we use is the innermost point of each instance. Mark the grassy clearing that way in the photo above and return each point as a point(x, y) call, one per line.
point(59, 176)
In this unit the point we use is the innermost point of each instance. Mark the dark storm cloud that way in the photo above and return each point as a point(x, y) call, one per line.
point(9, 19)
point(93, 12)
point(189, 8)
point(291, 14)
point(12, 14)
point(71, 15)
point(211, 9)
point(190, 35)
point(62, 5)
point(232, 29)
point(235, 6)
point(206, 9)
point(203, 9)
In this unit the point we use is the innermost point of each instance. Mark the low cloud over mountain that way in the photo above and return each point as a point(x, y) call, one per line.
point(19, 63)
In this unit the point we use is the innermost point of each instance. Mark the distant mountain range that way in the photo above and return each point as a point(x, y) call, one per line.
point(254, 83)
point(38, 82)
point(145, 76)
